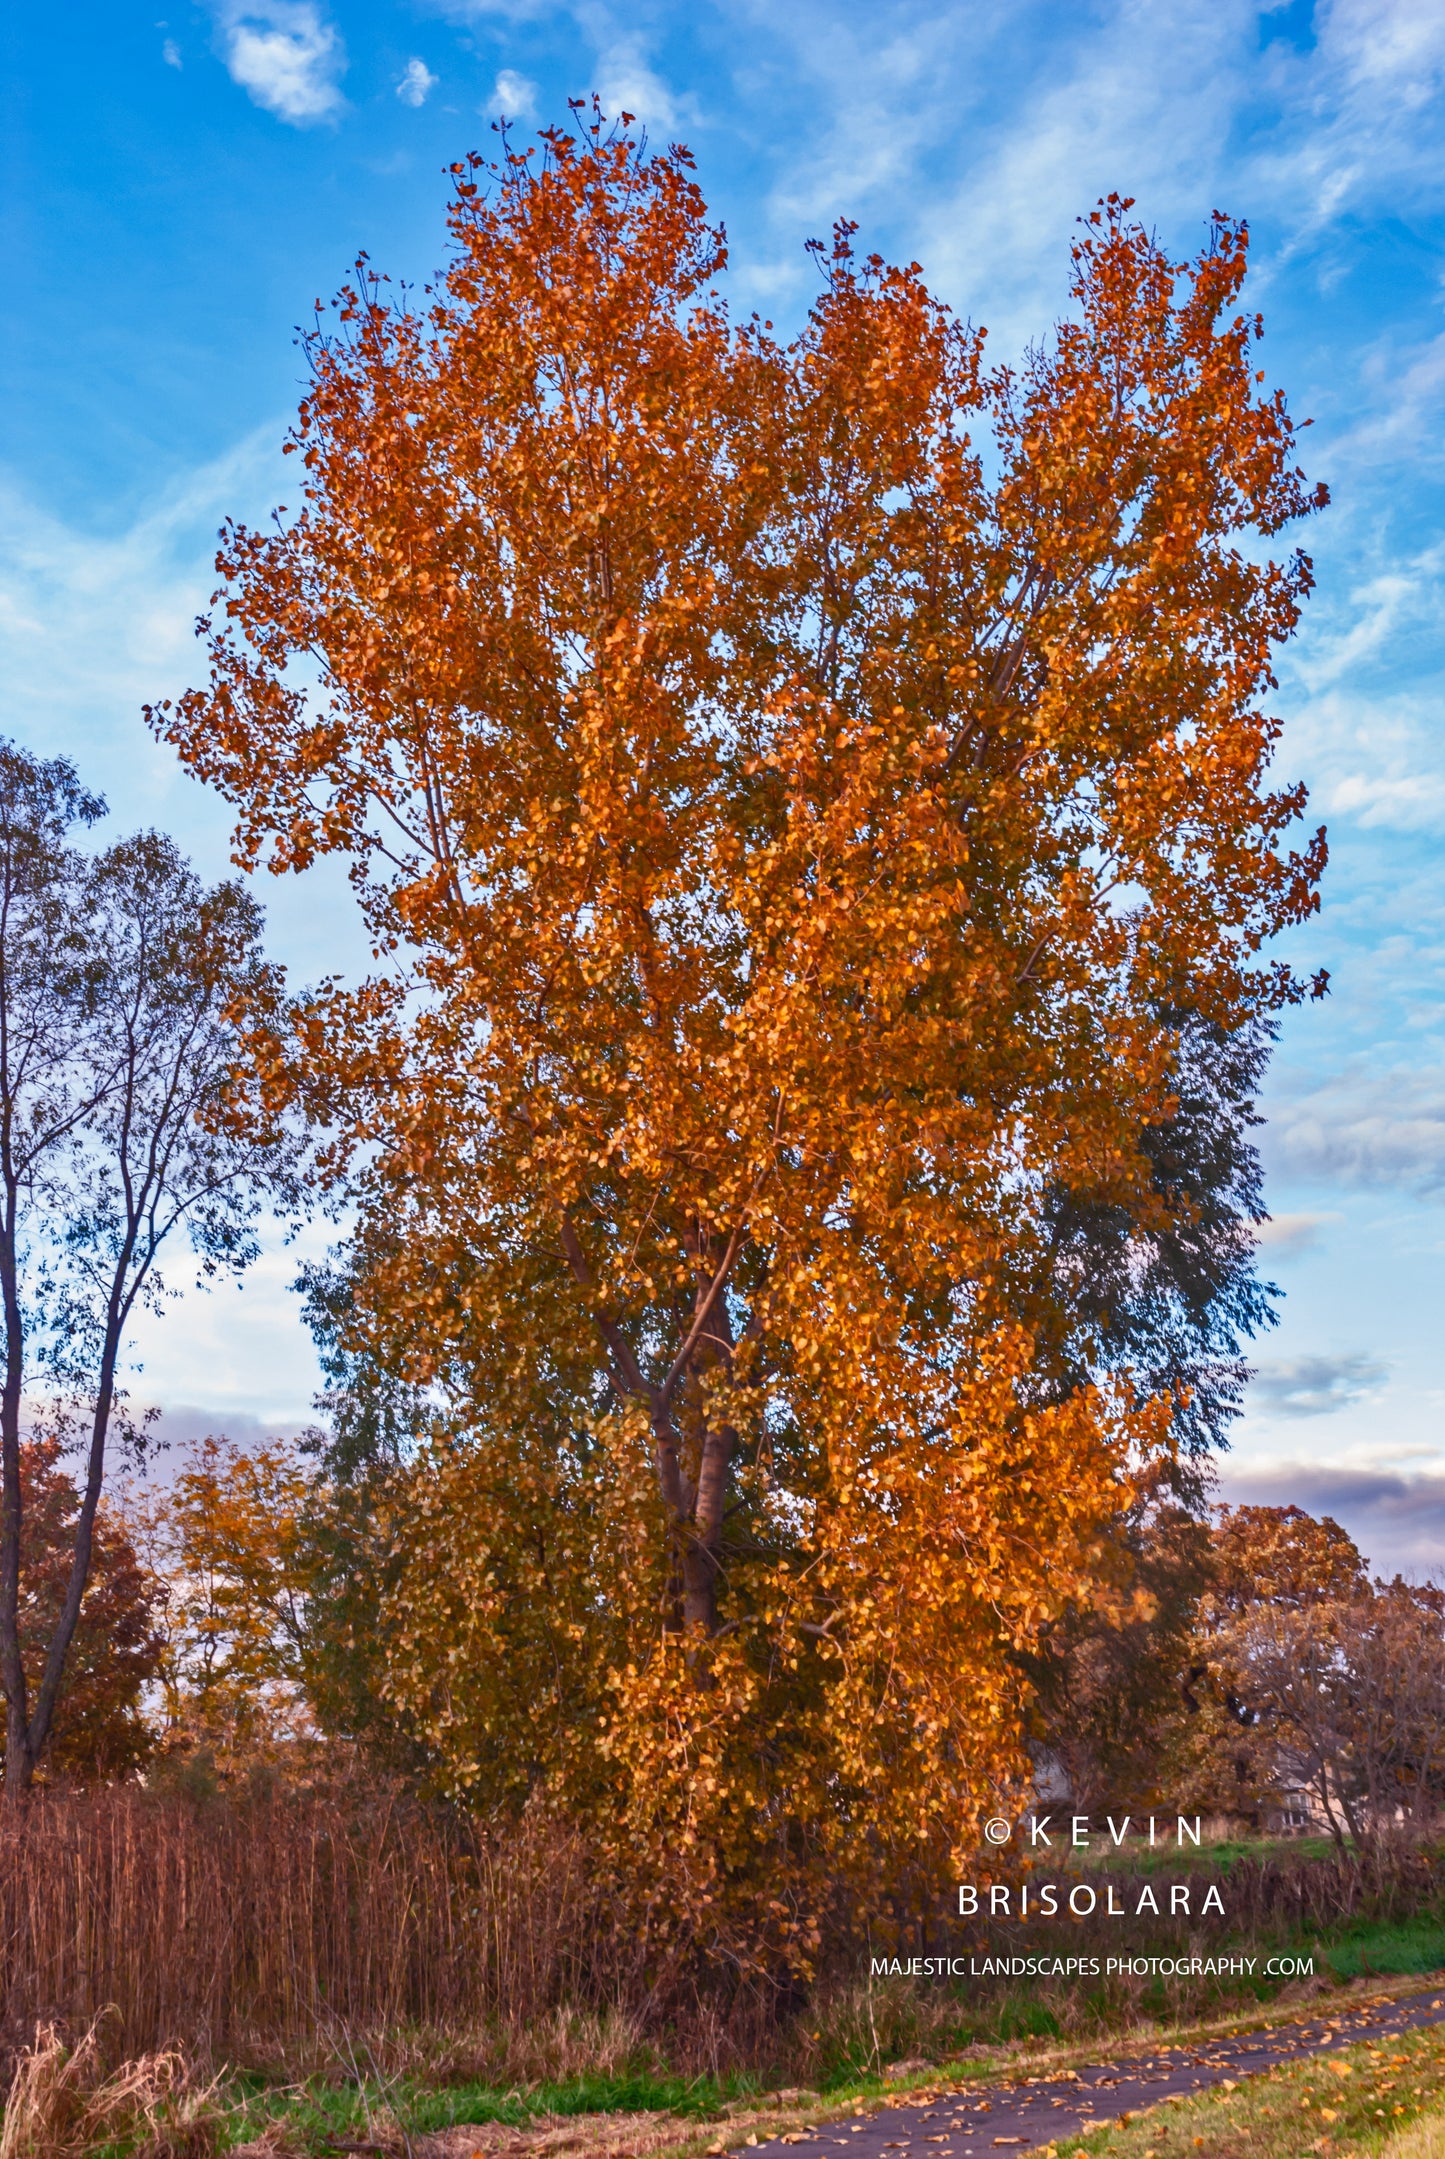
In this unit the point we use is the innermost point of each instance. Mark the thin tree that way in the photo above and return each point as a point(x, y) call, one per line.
point(118, 1062)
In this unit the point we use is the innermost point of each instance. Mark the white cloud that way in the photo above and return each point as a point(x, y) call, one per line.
point(1378, 607)
point(514, 95)
point(1394, 47)
point(1352, 126)
point(92, 625)
point(239, 1352)
point(1402, 394)
point(171, 53)
point(1313, 1386)
point(1142, 105)
point(1365, 1128)
point(1412, 802)
point(416, 84)
point(1176, 104)
point(884, 90)
point(626, 83)
point(286, 57)
point(1368, 681)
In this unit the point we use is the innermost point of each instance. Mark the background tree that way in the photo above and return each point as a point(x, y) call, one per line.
point(118, 1057)
point(101, 1731)
point(1153, 1688)
point(377, 1421)
point(1108, 1673)
point(1223, 1755)
point(1348, 1695)
point(1174, 1295)
point(1282, 1556)
point(230, 1534)
point(789, 836)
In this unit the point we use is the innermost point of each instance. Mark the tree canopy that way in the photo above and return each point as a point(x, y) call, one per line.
point(801, 792)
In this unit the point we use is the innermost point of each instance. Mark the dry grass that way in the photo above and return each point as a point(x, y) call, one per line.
point(1424, 2139)
point(63, 2105)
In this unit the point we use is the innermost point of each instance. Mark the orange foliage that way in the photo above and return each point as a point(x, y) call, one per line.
point(1281, 1555)
point(100, 1732)
point(228, 1534)
point(785, 828)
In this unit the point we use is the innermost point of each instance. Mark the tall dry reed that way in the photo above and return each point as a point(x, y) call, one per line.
point(267, 1921)
point(281, 1927)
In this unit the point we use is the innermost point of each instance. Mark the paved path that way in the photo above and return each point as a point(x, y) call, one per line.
point(1043, 2109)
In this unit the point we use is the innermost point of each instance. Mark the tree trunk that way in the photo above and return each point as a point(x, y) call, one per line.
point(699, 1585)
point(19, 1761)
point(48, 1691)
point(702, 1553)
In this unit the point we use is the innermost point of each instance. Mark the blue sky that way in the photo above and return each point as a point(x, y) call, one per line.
point(182, 182)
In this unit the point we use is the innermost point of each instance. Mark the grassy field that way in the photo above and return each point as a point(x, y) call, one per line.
point(1135, 1856)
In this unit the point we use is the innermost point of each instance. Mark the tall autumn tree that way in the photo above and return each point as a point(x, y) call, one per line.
point(790, 786)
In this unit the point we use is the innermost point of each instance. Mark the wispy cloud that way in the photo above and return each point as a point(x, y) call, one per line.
point(1286, 1234)
point(1398, 405)
point(1313, 1386)
point(1352, 125)
point(978, 132)
point(171, 53)
point(884, 89)
point(286, 57)
point(513, 95)
point(1390, 48)
point(1374, 754)
point(416, 84)
point(1409, 802)
point(626, 82)
point(1142, 102)
point(510, 11)
point(94, 624)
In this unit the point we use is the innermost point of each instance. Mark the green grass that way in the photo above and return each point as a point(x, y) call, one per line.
point(700, 2098)
point(1416, 1944)
point(318, 2109)
point(1135, 1858)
